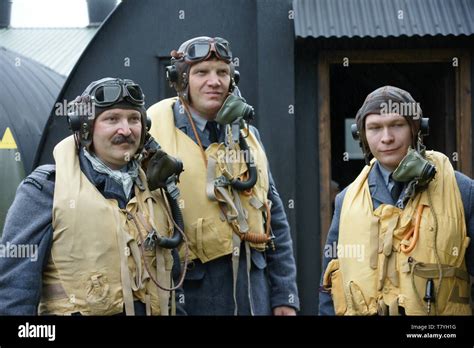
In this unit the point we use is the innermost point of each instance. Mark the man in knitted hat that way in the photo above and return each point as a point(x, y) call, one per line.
point(399, 242)
point(84, 221)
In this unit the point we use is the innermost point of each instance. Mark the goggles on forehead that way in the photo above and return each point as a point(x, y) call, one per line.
point(202, 48)
point(111, 92)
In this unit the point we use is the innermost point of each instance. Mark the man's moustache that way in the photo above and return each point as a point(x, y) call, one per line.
point(121, 139)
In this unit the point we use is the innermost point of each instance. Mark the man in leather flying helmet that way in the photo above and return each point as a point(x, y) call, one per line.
point(410, 216)
point(238, 233)
point(88, 218)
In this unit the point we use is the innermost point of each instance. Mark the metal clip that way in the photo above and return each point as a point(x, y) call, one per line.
point(150, 240)
point(271, 244)
point(171, 187)
point(221, 181)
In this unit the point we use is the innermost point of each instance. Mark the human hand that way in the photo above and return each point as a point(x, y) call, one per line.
point(284, 311)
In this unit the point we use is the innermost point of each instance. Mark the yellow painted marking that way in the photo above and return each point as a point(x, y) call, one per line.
point(7, 141)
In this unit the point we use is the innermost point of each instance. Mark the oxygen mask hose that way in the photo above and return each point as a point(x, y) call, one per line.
point(236, 110)
point(162, 172)
point(252, 168)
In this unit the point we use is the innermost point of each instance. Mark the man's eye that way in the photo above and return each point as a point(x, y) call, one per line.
point(111, 119)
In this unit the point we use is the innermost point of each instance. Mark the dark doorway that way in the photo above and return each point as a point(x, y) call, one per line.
point(430, 84)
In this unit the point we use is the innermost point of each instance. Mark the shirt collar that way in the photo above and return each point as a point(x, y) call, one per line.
point(386, 174)
point(199, 121)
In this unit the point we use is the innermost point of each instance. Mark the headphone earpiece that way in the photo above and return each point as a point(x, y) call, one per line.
point(79, 121)
point(148, 123)
point(172, 73)
point(425, 126)
point(74, 122)
point(355, 132)
point(236, 77)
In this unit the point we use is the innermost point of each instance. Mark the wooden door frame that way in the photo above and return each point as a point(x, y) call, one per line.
point(462, 100)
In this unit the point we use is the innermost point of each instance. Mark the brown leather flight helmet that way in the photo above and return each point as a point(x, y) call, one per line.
point(389, 99)
point(193, 51)
point(106, 93)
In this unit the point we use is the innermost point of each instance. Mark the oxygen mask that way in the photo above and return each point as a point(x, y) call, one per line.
point(234, 109)
point(414, 167)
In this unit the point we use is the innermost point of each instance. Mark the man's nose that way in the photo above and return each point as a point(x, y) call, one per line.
point(213, 79)
point(124, 128)
point(387, 136)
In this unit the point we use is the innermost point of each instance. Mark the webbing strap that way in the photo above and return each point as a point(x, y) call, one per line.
point(163, 295)
point(148, 304)
point(393, 307)
point(382, 272)
point(242, 216)
point(139, 277)
point(256, 203)
point(430, 270)
point(392, 273)
point(173, 299)
point(231, 213)
point(382, 308)
point(387, 251)
point(124, 271)
point(374, 242)
point(136, 283)
point(388, 239)
point(211, 174)
point(249, 267)
point(235, 268)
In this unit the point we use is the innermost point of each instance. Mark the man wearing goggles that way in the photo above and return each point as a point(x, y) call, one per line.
point(232, 273)
point(90, 213)
point(107, 92)
point(201, 48)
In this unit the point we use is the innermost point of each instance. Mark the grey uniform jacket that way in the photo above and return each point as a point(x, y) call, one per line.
point(381, 195)
point(208, 287)
point(29, 222)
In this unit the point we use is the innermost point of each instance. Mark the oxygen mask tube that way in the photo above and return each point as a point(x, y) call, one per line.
point(162, 173)
point(236, 113)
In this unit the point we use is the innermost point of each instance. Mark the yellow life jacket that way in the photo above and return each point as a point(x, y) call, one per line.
point(384, 278)
point(208, 230)
point(96, 265)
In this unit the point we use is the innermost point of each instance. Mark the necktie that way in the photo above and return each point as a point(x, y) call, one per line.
point(396, 190)
point(211, 126)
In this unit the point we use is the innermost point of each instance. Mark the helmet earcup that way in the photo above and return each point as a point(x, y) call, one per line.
point(424, 126)
point(172, 73)
point(80, 122)
point(355, 132)
point(74, 122)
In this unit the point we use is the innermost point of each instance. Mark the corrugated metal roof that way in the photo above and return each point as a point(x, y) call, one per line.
point(372, 18)
point(28, 94)
point(56, 48)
